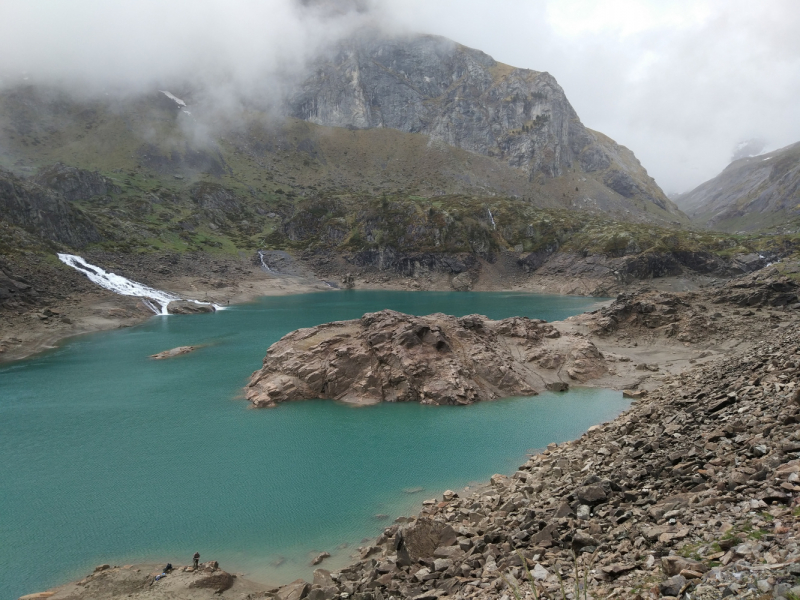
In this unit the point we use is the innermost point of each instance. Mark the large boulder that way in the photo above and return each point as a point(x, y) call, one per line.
point(186, 307)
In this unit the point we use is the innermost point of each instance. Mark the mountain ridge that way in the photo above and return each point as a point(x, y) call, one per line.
point(463, 97)
point(750, 193)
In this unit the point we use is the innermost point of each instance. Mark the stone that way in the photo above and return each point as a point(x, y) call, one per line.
point(217, 580)
point(322, 578)
point(557, 386)
point(296, 590)
point(672, 586)
point(539, 572)
point(689, 574)
point(764, 586)
point(615, 570)
point(591, 494)
point(442, 564)
point(563, 510)
point(186, 307)
point(673, 565)
point(173, 352)
point(422, 574)
point(448, 536)
point(320, 557)
point(581, 539)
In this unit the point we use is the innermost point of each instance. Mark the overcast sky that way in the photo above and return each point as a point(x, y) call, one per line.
point(680, 82)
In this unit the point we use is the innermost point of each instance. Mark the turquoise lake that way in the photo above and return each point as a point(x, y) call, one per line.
point(108, 456)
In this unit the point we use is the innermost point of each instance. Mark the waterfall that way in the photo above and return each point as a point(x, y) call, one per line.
point(491, 218)
point(264, 264)
point(155, 300)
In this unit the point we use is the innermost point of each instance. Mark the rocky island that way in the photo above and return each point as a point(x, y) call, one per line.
point(389, 356)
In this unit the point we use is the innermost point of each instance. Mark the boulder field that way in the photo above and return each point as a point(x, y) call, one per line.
point(692, 493)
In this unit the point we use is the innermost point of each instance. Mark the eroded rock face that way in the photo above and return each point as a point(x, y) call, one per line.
point(43, 211)
point(389, 356)
point(464, 98)
point(75, 184)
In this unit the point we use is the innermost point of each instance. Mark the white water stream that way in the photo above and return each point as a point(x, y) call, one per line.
point(491, 218)
point(264, 264)
point(155, 300)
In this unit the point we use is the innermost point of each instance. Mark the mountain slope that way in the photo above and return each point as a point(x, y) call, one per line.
point(751, 193)
point(464, 98)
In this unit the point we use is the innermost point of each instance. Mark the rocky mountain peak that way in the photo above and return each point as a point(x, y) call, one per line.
point(463, 97)
point(457, 95)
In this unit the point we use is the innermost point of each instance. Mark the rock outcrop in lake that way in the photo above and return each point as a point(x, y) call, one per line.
point(150, 582)
point(389, 356)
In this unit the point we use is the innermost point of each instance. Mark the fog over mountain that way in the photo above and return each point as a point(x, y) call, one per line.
point(681, 83)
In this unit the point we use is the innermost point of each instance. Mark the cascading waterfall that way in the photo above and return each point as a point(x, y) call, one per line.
point(491, 218)
point(264, 264)
point(155, 300)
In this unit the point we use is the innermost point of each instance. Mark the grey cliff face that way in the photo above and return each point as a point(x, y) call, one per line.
point(43, 211)
point(463, 98)
point(454, 94)
point(75, 184)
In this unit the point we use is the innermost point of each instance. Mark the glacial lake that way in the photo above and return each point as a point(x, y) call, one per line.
point(108, 456)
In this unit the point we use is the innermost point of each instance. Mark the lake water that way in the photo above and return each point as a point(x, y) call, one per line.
point(108, 456)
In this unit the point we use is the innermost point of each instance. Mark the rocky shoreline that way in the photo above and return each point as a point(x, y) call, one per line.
point(693, 493)
point(54, 302)
point(43, 301)
point(695, 489)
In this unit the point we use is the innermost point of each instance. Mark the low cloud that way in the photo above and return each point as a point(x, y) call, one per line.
point(680, 82)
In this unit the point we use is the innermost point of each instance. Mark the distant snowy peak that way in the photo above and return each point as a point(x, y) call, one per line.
point(174, 98)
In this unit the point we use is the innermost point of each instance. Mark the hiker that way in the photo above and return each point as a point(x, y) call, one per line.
point(196, 559)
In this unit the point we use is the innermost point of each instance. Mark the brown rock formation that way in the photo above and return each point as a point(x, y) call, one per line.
point(173, 352)
point(388, 356)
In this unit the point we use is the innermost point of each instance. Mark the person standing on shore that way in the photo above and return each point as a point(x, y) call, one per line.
point(196, 559)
